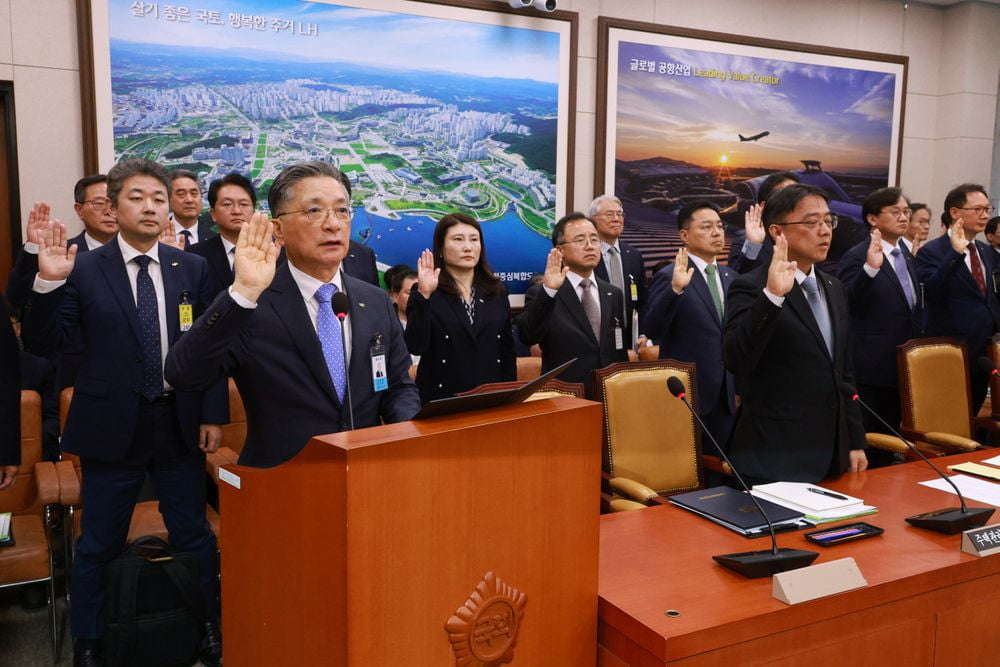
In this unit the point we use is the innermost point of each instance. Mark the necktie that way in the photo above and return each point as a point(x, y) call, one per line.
point(187, 238)
point(328, 328)
point(231, 256)
point(713, 289)
point(590, 307)
point(899, 263)
point(149, 325)
point(617, 276)
point(977, 268)
point(819, 311)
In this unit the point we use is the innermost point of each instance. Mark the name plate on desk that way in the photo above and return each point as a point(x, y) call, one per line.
point(983, 541)
point(817, 581)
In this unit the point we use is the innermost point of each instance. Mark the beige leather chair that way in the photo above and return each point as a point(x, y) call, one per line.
point(649, 353)
point(31, 500)
point(528, 368)
point(652, 444)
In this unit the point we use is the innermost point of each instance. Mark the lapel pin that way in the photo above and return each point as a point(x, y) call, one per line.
point(361, 304)
point(173, 263)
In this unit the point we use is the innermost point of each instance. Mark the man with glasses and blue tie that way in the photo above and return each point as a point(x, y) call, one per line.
point(787, 341)
point(275, 332)
point(880, 277)
point(573, 313)
point(959, 280)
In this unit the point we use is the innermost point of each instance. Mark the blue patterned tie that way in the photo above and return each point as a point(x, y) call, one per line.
point(149, 325)
point(899, 263)
point(328, 328)
point(819, 311)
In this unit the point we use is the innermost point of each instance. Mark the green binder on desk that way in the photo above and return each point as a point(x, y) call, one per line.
point(735, 510)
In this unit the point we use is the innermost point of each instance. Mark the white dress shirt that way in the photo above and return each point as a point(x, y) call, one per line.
point(575, 279)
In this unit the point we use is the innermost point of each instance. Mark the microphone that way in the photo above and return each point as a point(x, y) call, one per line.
point(950, 520)
point(987, 366)
point(748, 563)
point(341, 305)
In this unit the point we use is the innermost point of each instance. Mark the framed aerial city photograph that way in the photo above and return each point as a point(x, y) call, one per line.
point(428, 108)
point(685, 115)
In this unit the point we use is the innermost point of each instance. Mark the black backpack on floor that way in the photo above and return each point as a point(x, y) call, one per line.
point(155, 608)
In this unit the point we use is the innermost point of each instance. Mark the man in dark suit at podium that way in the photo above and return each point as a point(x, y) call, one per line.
point(275, 333)
point(572, 313)
point(786, 340)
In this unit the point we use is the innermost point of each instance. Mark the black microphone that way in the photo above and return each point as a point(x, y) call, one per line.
point(987, 366)
point(748, 563)
point(341, 305)
point(951, 520)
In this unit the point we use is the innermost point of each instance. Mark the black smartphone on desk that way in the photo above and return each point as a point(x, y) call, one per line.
point(846, 533)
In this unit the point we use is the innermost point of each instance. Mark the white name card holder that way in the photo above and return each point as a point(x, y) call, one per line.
point(817, 581)
point(984, 541)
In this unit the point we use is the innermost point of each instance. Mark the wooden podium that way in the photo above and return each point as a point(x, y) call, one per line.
point(361, 549)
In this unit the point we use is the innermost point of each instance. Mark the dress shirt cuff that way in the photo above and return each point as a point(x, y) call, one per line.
point(240, 300)
point(551, 292)
point(42, 286)
point(751, 250)
point(31, 248)
point(776, 300)
point(870, 271)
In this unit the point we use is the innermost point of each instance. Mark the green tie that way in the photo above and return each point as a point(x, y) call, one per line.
point(713, 288)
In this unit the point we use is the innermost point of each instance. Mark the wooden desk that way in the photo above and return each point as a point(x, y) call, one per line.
point(926, 602)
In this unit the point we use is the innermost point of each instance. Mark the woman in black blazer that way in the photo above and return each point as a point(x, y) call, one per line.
point(458, 318)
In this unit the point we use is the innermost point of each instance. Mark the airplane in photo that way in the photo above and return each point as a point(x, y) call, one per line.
point(754, 137)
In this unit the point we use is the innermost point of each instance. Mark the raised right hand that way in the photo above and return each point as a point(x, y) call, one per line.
point(255, 258)
point(958, 241)
point(682, 274)
point(427, 275)
point(37, 217)
point(55, 258)
point(875, 255)
point(555, 273)
point(754, 225)
point(781, 273)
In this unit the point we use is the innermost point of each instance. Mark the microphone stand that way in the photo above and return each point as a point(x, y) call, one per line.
point(951, 520)
point(750, 564)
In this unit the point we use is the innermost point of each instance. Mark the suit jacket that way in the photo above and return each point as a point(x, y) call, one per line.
point(96, 307)
point(742, 264)
point(634, 271)
point(688, 328)
point(360, 263)
point(22, 276)
point(881, 317)
point(456, 355)
point(10, 392)
point(559, 324)
point(214, 253)
point(39, 374)
point(953, 304)
point(274, 355)
point(793, 424)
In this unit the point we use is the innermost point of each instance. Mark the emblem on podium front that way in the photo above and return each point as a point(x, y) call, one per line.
point(484, 629)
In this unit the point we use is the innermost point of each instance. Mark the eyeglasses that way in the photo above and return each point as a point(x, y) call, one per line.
point(898, 212)
point(228, 204)
point(812, 225)
point(584, 241)
point(978, 210)
point(99, 203)
point(317, 214)
point(613, 214)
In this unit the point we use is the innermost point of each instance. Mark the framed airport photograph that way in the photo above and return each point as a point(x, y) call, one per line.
point(428, 107)
point(685, 115)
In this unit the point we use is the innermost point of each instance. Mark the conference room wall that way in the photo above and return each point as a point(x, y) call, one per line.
point(950, 104)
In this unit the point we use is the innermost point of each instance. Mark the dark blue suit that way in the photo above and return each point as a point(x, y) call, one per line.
point(214, 253)
point(688, 328)
point(274, 355)
point(954, 306)
point(455, 354)
point(881, 319)
point(634, 273)
point(360, 263)
point(119, 435)
point(741, 264)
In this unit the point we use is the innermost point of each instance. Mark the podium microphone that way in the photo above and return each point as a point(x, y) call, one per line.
point(341, 306)
point(951, 520)
point(748, 563)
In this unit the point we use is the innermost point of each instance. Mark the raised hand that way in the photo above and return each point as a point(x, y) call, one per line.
point(781, 273)
point(754, 224)
point(555, 273)
point(427, 275)
point(915, 246)
point(682, 274)
point(958, 241)
point(171, 238)
point(875, 254)
point(55, 259)
point(255, 257)
point(37, 217)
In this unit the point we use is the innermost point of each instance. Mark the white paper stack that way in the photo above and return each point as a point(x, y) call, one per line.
point(4, 526)
point(819, 505)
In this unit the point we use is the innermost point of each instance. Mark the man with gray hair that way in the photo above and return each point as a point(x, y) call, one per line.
point(274, 329)
point(185, 208)
point(621, 264)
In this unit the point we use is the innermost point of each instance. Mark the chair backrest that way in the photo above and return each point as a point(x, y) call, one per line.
point(649, 353)
point(993, 351)
point(21, 496)
point(235, 432)
point(528, 368)
point(650, 436)
point(934, 386)
point(65, 398)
